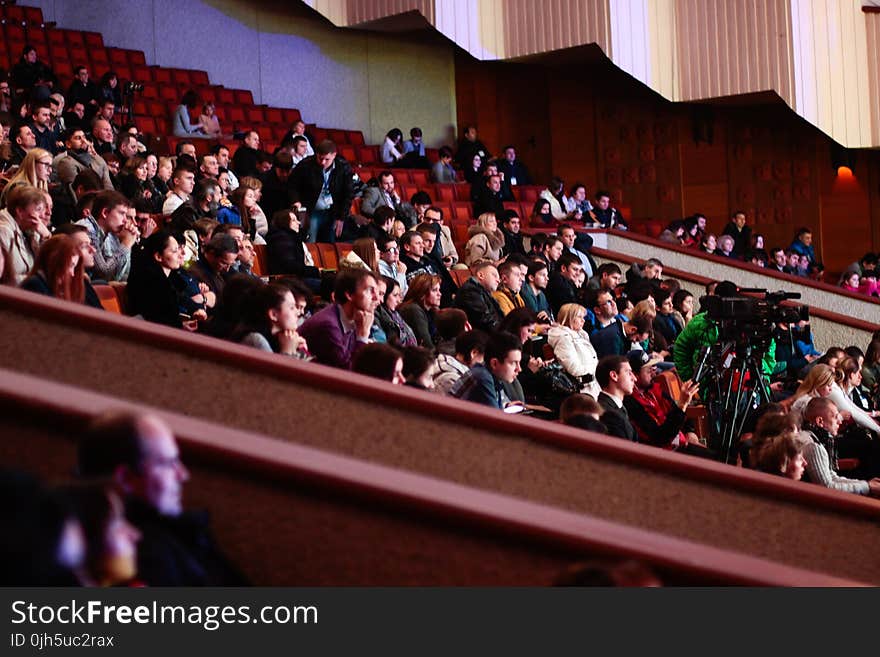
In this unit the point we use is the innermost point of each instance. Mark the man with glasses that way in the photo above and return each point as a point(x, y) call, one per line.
point(389, 262)
point(604, 308)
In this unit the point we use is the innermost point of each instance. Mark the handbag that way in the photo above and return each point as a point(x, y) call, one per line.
point(554, 381)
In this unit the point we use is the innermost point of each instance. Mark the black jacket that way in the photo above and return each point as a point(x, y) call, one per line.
point(307, 179)
point(482, 310)
point(285, 255)
point(616, 419)
point(180, 550)
point(151, 293)
point(485, 200)
point(244, 162)
point(560, 291)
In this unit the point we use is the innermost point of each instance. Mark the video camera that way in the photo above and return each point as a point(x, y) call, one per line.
point(752, 319)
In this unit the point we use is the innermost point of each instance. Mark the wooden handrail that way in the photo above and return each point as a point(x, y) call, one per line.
point(256, 456)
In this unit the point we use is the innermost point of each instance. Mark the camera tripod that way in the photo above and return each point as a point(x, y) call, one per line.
point(735, 387)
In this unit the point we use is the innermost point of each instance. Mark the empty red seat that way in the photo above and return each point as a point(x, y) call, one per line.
point(58, 53)
point(74, 38)
point(419, 178)
point(338, 136)
point(461, 211)
point(33, 15)
point(123, 73)
point(291, 116)
point(141, 73)
point(199, 78)
point(265, 132)
point(157, 108)
point(161, 75)
point(63, 69)
point(236, 114)
point(168, 93)
point(460, 232)
point(356, 137)
point(13, 13)
point(243, 97)
point(225, 96)
point(151, 90)
point(93, 39)
point(328, 255)
point(136, 58)
point(462, 192)
point(444, 193)
point(255, 115)
point(37, 36)
point(181, 77)
point(368, 154)
point(98, 56)
point(14, 32)
point(161, 125)
point(140, 107)
point(117, 56)
point(274, 115)
point(348, 152)
point(78, 56)
point(145, 124)
point(278, 132)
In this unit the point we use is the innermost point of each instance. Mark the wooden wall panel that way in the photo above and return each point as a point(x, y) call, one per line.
point(665, 161)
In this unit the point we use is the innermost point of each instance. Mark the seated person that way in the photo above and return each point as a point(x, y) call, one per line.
point(821, 423)
point(112, 235)
point(483, 382)
point(616, 379)
point(470, 348)
point(140, 455)
point(475, 297)
point(337, 332)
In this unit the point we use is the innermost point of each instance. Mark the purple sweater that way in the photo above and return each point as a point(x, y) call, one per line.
point(328, 343)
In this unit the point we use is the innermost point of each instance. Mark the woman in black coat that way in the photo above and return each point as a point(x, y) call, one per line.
point(155, 288)
point(285, 252)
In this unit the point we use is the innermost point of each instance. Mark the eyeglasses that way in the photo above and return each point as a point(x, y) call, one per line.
point(391, 249)
point(48, 165)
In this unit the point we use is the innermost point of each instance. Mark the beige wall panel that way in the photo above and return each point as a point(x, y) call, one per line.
point(872, 47)
point(733, 47)
point(664, 61)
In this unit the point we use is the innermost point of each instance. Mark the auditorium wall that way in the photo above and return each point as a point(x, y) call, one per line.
point(288, 56)
point(577, 116)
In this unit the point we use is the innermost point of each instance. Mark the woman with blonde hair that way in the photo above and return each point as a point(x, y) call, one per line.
point(35, 170)
point(818, 383)
point(485, 240)
point(572, 347)
point(419, 306)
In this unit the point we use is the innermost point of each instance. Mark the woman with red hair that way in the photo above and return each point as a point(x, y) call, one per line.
point(58, 270)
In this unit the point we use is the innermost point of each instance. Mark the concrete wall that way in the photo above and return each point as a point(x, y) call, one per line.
point(288, 57)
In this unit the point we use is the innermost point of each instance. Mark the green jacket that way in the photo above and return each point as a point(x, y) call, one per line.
point(703, 331)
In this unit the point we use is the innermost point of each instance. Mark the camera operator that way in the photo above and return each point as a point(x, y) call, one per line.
point(703, 331)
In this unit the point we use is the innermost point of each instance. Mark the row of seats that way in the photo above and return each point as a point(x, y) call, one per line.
point(21, 15)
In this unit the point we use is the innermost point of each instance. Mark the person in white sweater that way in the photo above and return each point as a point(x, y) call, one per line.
point(572, 347)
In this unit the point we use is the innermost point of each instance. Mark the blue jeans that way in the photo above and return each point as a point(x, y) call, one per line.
point(322, 227)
